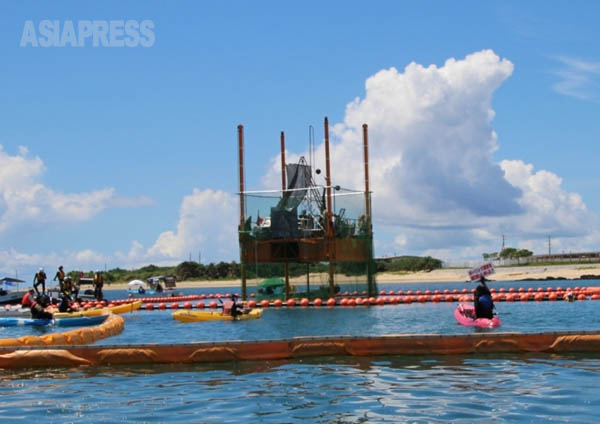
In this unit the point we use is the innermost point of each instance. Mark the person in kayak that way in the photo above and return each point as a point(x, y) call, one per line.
point(236, 308)
point(482, 299)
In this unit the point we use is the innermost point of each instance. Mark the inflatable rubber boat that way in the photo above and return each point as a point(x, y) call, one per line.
point(465, 315)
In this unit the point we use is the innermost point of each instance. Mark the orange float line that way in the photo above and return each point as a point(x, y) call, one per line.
point(113, 325)
point(299, 347)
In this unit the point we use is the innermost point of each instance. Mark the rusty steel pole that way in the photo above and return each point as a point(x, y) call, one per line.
point(242, 207)
point(330, 235)
point(366, 156)
point(370, 263)
point(286, 265)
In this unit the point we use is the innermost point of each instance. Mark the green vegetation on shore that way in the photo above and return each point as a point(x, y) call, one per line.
point(190, 270)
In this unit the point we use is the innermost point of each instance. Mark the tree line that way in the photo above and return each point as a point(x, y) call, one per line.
point(190, 270)
point(508, 253)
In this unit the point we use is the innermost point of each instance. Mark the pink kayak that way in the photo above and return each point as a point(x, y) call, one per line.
point(464, 314)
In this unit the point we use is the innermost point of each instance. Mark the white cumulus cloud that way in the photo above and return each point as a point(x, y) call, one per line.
point(437, 187)
point(25, 200)
point(207, 223)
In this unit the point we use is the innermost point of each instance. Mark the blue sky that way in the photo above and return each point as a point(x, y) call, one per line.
point(127, 156)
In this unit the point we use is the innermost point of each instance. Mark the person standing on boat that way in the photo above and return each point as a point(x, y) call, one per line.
point(39, 278)
point(482, 298)
point(98, 284)
point(60, 276)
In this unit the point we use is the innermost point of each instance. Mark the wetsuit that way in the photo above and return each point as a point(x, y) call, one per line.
point(484, 305)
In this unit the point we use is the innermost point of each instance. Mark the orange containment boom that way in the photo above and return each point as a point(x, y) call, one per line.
point(300, 347)
point(113, 325)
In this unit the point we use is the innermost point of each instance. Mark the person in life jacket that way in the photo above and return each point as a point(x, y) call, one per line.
point(60, 276)
point(37, 306)
point(67, 287)
point(98, 284)
point(231, 307)
point(39, 278)
point(482, 299)
point(65, 304)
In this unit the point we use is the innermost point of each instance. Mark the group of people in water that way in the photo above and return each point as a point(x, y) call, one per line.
point(68, 292)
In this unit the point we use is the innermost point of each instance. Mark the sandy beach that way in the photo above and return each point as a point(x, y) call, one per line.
point(453, 275)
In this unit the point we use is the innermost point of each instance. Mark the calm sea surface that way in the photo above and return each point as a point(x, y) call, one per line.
point(484, 388)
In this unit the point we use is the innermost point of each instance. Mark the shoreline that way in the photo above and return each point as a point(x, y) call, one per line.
point(454, 275)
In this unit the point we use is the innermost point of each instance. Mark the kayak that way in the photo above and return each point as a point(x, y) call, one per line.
point(119, 309)
point(464, 314)
point(72, 322)
point(196, 316)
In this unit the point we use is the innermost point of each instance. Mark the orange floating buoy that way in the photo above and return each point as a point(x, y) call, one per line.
point(364, 293)
point(581, 297)
point(264, 303)
point(394, 300)
point(252, 303)
point(539, 297)
point(346, 293)
point(162, 305)
point(354, 293)
point(344, 302)
point(304, 302)
point(455, 291)
point(372, 301)
point(407, 299)
point(351, 302)
point(400, 292)
point(418, 292)
point(200, 305)
point(427, 292)
point(359, 301)
point(391, 293)
point(291, 302)
point(380, 301)
point(382, 293)
point(149, 306)
point(449, 298)
point(435, 298)
point(174, 305)
point(212, 305)
point(409, 293)
point(596, 296)
point(203, 296)
point(318, 302)
point(277, 303)
point(187, 305)
point(331, 302)
point(521, 290)
point(446, 291)
point(552, 296)
point(252, 295)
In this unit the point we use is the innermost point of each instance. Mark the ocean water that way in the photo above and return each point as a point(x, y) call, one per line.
point(466, 388)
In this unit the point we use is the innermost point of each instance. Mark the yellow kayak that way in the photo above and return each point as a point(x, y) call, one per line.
point(119, 309)
point(195, 316)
